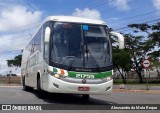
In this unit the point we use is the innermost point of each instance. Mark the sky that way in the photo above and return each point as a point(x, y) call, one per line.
point(20, 18)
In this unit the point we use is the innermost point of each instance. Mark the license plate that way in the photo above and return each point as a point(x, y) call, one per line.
point(83, 88)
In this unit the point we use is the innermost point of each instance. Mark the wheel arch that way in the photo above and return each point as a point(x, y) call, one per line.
point(39, 77)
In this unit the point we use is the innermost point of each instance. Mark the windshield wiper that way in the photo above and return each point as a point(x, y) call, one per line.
point(71, 63)
point(96, 63)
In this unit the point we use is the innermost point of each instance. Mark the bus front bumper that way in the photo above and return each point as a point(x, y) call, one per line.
point(59, 86)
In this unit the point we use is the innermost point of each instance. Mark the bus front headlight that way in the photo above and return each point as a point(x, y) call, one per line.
point(56, 75)
point(107, 78)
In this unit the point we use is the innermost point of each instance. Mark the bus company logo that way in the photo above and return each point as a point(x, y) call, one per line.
point(6, 107)
point(84, 81)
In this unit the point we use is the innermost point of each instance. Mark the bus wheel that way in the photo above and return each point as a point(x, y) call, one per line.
point(26, 88)
point(85, 96)
point(40, 92)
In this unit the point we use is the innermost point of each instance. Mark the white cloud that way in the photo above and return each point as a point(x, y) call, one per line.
point(11, 46)
point(156, 4)
point(3, 64)
point(88, 13)
point(13, 42)
point(17, 16)
point(120, 4)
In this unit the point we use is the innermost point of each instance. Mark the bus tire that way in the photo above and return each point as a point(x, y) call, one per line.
point(26, 88)
point(40, 92)
point(85, 96)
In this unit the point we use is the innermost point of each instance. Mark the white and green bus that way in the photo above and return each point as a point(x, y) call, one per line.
point(70, 55)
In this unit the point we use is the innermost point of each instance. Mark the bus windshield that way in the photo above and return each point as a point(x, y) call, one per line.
point(80, 45)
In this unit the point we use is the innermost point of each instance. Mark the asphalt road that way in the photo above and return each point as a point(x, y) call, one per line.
point(15, 95)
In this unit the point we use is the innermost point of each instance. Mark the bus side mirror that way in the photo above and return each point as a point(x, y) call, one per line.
point(46, 43)
point(47, 35)
point(120, 39)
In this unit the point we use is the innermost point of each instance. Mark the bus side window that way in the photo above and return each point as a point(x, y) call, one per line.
point(46, 52)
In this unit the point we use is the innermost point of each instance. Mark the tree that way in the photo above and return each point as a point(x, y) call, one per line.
point(16, 62)
point(142, 46)
point(122, 62)
point(137, 51)
point(156, 64)
point(152, 35)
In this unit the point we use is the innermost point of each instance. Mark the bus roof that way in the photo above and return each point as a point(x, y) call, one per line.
point(74, 20)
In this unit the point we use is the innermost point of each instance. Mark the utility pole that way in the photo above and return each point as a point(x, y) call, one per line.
point(0, 69)
point(10, 73)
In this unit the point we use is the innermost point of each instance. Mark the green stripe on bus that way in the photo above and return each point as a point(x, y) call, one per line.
point(55, 70)
point(96, 75)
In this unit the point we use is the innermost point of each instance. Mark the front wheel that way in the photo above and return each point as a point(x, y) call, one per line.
point(40, 92)
point(85, 96)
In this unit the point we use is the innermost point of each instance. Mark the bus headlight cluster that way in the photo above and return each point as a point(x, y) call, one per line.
point(59, 76)
point(50, 72)
point(107, 78)
point(56, 75)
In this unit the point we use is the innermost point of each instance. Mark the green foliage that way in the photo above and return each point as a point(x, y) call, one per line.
point(142, 27)
point(122, 59)
point(16, 62)
point(146, 45)
point(151, 38)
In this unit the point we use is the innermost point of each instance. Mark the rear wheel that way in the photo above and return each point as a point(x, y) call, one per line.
point(40, 92)
point(26, 88)
point(85, 96)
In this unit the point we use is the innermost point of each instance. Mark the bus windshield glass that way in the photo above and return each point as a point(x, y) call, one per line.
point(80, 45)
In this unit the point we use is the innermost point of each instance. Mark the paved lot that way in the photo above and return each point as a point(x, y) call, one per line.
point(15, 95)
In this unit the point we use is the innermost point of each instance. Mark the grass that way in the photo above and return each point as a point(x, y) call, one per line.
point(4, 82)
point(135, 82)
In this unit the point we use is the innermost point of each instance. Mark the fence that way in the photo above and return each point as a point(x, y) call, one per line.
point(10, 80)
point(152, 76)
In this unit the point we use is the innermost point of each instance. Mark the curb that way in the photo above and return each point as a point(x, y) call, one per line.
point(138, 91)
point(9, 86)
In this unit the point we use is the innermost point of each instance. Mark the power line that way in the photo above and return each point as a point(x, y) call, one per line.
point(115, 29)
point(139, 16)
point(113, 14)
point(100, 5)
point(120, 29)
point(136, 20)
point(139, 22)
point(131, 29)
point(19, 31)
point(15, 31)
point(110, 9)
point(8, 51)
